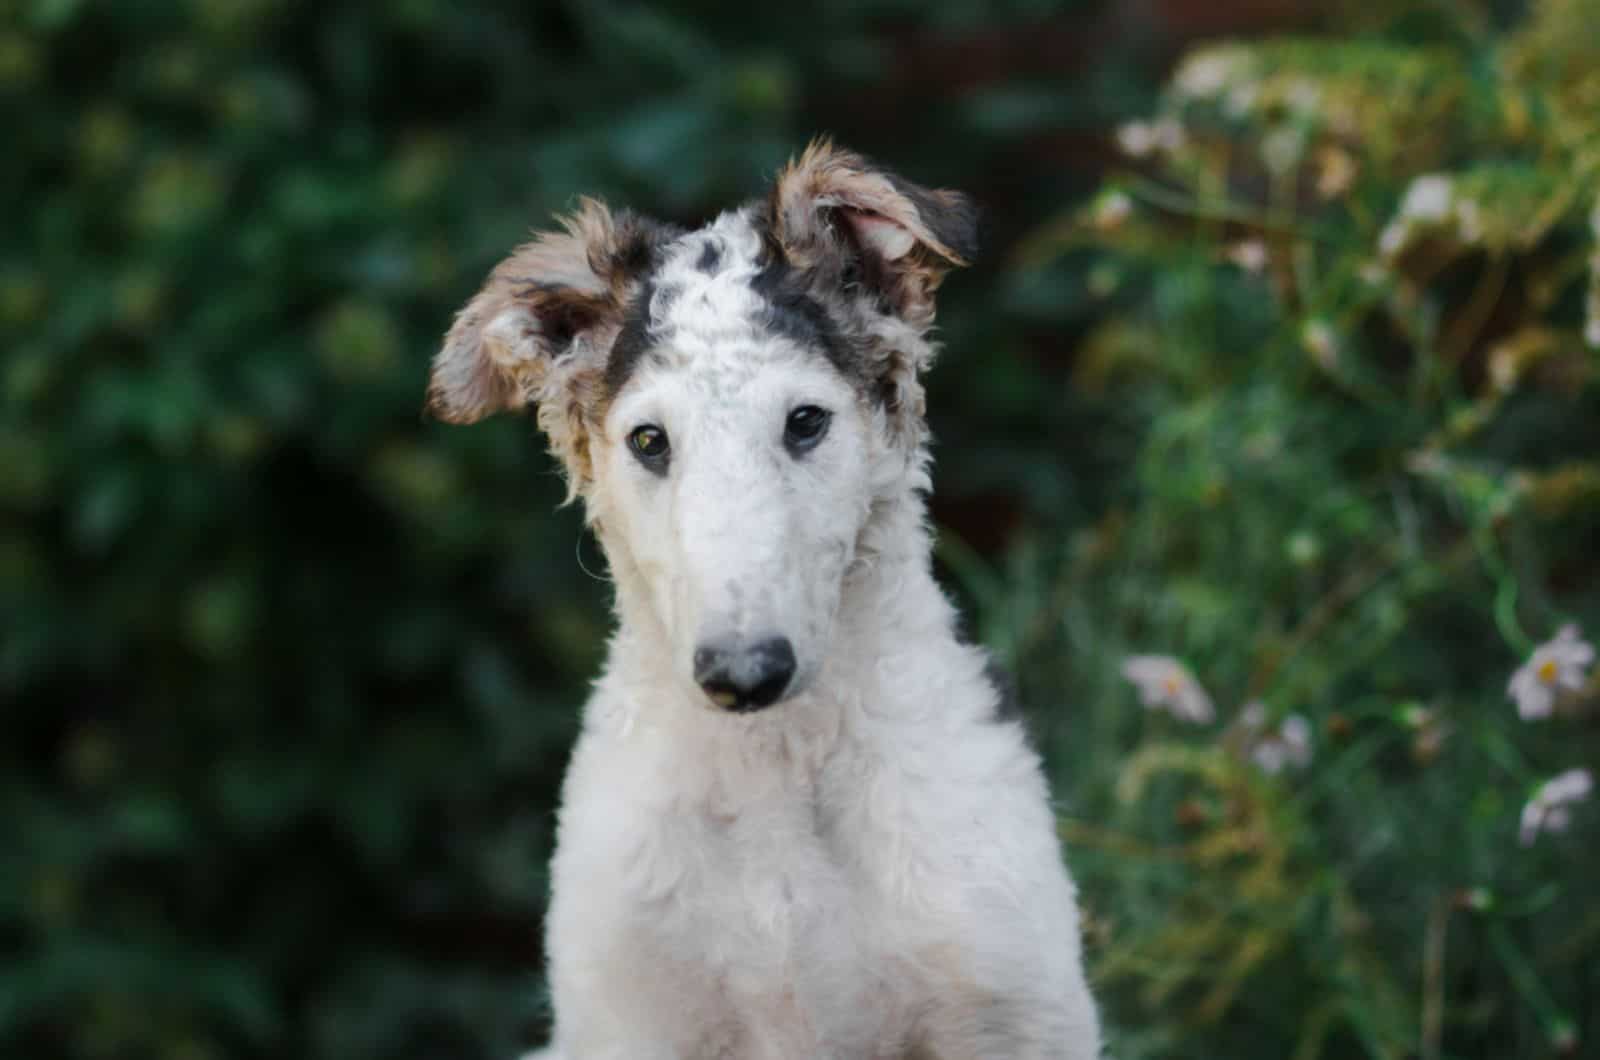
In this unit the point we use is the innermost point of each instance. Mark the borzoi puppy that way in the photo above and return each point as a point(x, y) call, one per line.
point(797, 823)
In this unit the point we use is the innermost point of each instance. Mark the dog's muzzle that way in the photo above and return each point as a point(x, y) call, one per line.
point(742, 675)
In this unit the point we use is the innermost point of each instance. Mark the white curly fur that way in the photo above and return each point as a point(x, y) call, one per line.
point(866, 870)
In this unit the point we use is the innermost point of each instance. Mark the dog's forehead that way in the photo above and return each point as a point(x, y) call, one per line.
point(721, 301)
point(706, 286)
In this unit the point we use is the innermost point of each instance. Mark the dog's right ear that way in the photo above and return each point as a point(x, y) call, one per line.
point(541, 308)
point(539, 331)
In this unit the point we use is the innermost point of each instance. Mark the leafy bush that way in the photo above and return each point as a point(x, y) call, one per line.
point(1349, 324)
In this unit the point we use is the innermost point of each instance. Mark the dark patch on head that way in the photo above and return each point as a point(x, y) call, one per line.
point(638, 246)
point(632, 342)
point(952, 217)
point(1009, 707)
point(791, 309)
point(793, 313)
point(710, 259)
point(635, 252)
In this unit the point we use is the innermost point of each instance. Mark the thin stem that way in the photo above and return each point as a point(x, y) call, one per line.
point(1220, 209)
point(1526, 980)
point(1433, 950)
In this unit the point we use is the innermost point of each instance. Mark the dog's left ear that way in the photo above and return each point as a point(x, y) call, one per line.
point(833, 203)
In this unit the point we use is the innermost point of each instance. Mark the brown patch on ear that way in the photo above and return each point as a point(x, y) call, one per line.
point(832, 201)
point(538, 331)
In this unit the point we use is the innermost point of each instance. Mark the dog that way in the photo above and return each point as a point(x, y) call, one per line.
point(798, 822)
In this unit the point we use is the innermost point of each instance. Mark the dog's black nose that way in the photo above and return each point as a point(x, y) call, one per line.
point(744, 675)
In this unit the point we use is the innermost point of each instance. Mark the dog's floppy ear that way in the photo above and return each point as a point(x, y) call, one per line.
point(539, 331)
point(834, 202)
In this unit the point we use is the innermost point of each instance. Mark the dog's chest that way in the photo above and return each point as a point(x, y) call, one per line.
point(794, 935)
point(771, 871)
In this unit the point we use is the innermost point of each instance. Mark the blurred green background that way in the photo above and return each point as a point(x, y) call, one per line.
point(289, 673)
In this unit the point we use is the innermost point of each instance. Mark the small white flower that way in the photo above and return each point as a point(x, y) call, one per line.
point(1137, 138)
point(1572, 786)
point(1164, 683)
point(1206, 74)
point(1428, 198)
point(1547, 810)
point(1557, 665)
point(1296, 732)
point(1141, 138)
point(1111, 209)
point(1169, 135)
point(1249, 254)
point(1289, 746)
point(1318, 338)
point(1269, 756)
point(1431, 202)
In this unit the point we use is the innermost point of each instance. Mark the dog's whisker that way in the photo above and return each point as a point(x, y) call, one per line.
point(577, 551)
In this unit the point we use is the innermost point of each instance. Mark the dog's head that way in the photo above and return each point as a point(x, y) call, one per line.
point(731, 403)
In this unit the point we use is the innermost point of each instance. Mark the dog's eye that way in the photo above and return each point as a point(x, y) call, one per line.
point(649, 444)
point(805, 427)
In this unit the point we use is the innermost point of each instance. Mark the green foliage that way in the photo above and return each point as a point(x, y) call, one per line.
point(289, 674)
point(1343, 301)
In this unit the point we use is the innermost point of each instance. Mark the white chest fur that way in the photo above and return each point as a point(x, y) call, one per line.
point(824, 880)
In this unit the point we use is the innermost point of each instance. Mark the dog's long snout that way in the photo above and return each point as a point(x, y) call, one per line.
point(744, 675)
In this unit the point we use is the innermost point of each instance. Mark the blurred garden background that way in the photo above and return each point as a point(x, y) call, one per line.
point(1282, 360)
